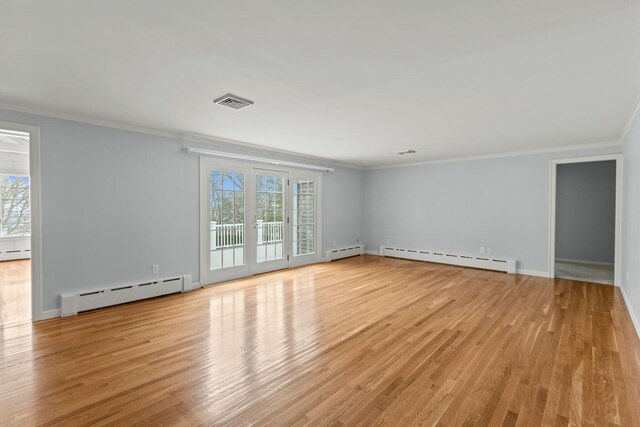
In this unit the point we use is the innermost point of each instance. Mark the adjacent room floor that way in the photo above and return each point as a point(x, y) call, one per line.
point(365, 340)
point(587, 272)
point(15, 292)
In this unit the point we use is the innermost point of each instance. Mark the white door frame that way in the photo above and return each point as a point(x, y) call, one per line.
point(296, 261)
point(552, 209)
point(205, 162)
point(35, 190)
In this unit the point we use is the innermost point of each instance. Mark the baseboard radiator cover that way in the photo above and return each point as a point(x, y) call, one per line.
point(14, 248)
point(346, 252)
point(508, 266)
point(73, 303)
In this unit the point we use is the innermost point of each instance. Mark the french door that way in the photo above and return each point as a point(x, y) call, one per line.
point(270, 235)
point(256, 219)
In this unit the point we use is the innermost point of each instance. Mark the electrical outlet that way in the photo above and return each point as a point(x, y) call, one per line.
point(388, 240)
point(334, 243)
point(481, 249)
point(627, 275)
point(154, 269)
point(489, 251)
point(357, 240)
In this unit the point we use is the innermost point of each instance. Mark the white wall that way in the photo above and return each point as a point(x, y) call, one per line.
point(459, 206)
point(116, 202)
point(343, 208)
point(631, 221)
point(586, 211)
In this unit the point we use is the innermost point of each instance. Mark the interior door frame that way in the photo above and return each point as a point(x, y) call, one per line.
point(617, 264)
point(205, 161)
point(35, 200)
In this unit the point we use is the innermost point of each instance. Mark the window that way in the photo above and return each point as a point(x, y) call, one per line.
point(304, 217)
point(16, 210)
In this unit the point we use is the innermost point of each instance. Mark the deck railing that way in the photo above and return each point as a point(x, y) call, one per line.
point(232, 235)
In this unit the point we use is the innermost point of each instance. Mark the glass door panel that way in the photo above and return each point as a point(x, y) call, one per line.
point(304, 221)
point(224, 240)
point(271, 242)
point(227, 225)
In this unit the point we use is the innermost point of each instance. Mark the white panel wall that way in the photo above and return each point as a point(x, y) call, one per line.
point(501, 203)
point(116, 202)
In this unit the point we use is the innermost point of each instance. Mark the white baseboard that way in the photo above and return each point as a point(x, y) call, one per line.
point(634, 317)
point(376, 253)
point(580, 261)
point(533, 273)
point(50, 314)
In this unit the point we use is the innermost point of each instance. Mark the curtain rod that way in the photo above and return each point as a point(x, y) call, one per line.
point(213, 153)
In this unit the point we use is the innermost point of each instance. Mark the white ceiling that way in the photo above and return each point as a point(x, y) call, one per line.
point(353, 81)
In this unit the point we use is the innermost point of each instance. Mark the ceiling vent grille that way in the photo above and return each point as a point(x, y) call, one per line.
point(233, 101)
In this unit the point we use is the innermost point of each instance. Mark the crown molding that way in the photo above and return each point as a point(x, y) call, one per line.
point(634, 112)
point(565, 148)
point(179, 135)
point(230, 143)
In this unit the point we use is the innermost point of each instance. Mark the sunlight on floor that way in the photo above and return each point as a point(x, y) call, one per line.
point(15, 292)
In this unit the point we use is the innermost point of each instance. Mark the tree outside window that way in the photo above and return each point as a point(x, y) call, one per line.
point(16, 210)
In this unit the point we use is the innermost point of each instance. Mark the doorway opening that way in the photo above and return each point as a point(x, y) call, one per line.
point(585, 219)
point(15, 228)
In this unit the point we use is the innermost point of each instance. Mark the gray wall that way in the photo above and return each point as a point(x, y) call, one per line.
point(116, 202)
point(586, 211)
point(631, 221)
point(501, 203)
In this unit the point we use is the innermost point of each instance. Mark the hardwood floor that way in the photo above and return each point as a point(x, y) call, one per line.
point(15, 292)
point(365, 341)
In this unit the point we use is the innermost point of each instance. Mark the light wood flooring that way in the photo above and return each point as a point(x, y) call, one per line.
point(15, 292)
point(362, 341)
point(586, 272)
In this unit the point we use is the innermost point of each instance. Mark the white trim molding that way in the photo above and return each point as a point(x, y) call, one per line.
point(564, 148)
point(580, 261)
point(627, 127)
point(553, 169)
point(634, 318)
point(533, 273)
point(226, 155)
point(180, 135)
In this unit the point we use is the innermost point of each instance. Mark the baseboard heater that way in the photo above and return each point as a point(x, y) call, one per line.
point(486, 263)
point(15, 254)
point(73, 303)
point(349, 251)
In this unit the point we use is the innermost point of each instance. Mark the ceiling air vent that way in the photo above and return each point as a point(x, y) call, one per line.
point(233, 101)
point(406, 152)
